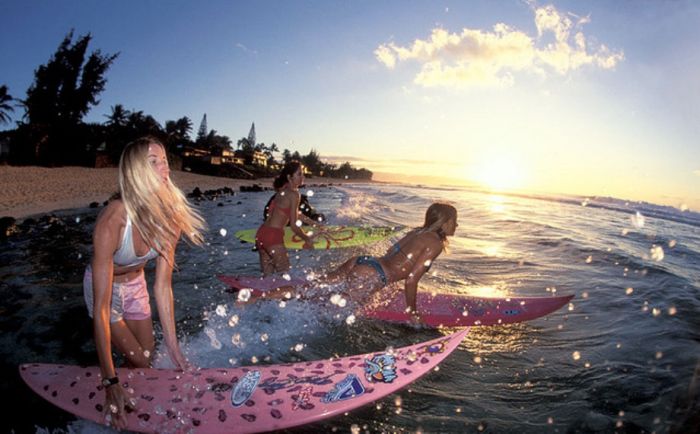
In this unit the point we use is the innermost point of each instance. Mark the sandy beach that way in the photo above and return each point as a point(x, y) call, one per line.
point(32, 190)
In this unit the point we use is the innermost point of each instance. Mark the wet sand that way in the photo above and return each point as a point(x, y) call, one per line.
point(31, 190)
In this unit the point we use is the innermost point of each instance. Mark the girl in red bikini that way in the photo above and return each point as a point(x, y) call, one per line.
point(284, 209)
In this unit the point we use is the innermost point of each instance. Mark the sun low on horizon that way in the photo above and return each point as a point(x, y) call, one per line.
point(499, 173)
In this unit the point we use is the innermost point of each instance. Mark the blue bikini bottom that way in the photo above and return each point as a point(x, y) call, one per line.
point(374, 263)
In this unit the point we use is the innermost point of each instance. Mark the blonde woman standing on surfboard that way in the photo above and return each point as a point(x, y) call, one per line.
point(144, 222)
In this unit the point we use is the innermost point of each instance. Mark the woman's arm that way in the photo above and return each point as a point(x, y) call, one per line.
point(163, 291)
point(308, 243)
point(105, 243)
point(423, 262)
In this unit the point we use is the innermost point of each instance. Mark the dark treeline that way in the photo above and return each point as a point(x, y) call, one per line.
point(51, 131)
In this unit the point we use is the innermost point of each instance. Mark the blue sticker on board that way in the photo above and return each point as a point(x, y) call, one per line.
point(380, 368)
point(245, 388)
point(512, 312)
point(348, 387)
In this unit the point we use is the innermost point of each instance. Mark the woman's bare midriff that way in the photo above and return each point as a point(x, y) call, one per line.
point(126, 274)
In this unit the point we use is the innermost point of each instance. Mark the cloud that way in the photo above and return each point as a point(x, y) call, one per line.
point(245, 49)
point(492, 58)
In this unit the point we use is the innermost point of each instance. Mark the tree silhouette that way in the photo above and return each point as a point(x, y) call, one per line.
point(118, 117)
point(251, 135)
point(5, 106)
point(202, 132)
point(178, 132)
point(63, 91)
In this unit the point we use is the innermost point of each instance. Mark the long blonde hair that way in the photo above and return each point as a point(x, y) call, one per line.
point(157, 209)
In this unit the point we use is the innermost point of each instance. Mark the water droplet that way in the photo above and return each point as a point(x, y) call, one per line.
point(427, 263)
point(233, 321)
point(253, 360)
point(298, 347)
point(659, 355)
point(236, 339)
point(589, 259)
point(477, 360)
point(576, 355)
point(264, 337)
point(298, 223)
point(223, 232)
point(244, 295)
point(350, 320)
point(656, 311)
point(672, 310)
point(77, 219)
point(657, 253)
point(310, 193)
point(629, 291)
point(637, 220)
point(221, 310)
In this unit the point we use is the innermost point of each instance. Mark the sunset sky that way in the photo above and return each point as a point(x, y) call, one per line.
point(590, 98)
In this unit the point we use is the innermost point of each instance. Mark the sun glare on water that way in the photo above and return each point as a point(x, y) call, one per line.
point(500, 174)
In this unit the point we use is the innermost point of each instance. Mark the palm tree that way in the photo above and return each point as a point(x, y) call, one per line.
point(5, 107)
point(118, 117)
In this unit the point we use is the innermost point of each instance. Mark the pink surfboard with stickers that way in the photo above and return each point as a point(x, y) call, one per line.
point(242, 400)
point(452, 310)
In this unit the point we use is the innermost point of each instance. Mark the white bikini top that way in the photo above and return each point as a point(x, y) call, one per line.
point(126, 255)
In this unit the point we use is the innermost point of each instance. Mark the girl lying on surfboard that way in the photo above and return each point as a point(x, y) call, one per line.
point(283, 210)
point(408, 259)
point(143, 222)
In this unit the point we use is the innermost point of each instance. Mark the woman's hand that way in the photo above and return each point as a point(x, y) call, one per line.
point(116, 401)
point(180, 361)
point(416, 318)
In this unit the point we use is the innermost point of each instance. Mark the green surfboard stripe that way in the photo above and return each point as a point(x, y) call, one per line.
point(333, 236)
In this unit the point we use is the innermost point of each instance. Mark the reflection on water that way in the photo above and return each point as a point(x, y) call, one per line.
point(621, 357)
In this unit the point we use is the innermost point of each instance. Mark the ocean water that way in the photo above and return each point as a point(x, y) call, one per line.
point(620, 357)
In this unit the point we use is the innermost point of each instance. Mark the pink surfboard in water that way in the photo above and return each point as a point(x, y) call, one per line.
point(242, 400)
point(263, 284)
point(452, 310)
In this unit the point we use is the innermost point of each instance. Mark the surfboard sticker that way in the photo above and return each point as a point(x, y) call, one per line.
point(348, 387)
point(244, 388)
point(330, 237)
point(241, 400)
point(381, 368)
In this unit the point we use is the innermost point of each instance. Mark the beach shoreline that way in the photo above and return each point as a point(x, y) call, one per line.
point(32, 190)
